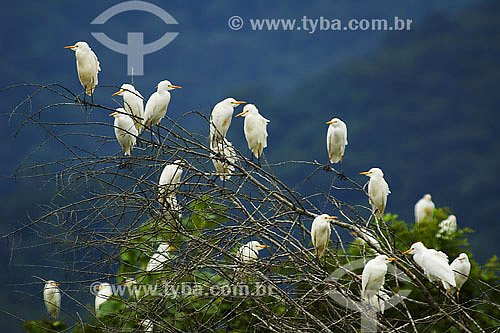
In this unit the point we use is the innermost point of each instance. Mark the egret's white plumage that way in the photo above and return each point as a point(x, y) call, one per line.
point(255, 128)
point(52, 298)
point(147, 325)
point(133, 103)
point(461, 269)
point(320, 233)
point(447, 227)
point(156, 106)
point(434, 263)
point(378, 300)
point(365, 234)
point(220, 119)
point(87, 66)
point(373, 276)
point(104, 293)
point(378, 190)
point(125, 131)
point(424, 208)
point(336, 139)
point(133, 290)
point(159, 258)
point(169, 180)
point(250, 251)
point(223, 159)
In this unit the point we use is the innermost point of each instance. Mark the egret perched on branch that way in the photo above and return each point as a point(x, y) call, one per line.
point(125, 131)
point(447, 227)
point(87, 66)
point(461, 269)
point(373, 276)
point(156, 106)
point(223, 159)
point(250, 251)
point(434, 263)
point(131, 285)
point(169, 179)
point(159, 258)
point(424, 208)
point(378, 300)
point(220, 120)
point(104, 293)
point(320, 233)
point(52, 298)
point(336, 140)
point(133, 103)
point(255, 128)
point(147, 324)
point(378, 190)
point(365, 234)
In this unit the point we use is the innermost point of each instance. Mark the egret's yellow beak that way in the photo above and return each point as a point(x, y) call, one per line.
point(70, 47)
point(57, 283)
point(172, 248)
point(408, 251)
point(331, 122)
point(263, 246)
point(114, 114)
point(238, 102)
point(461, 258)
point(241, 114)
point(118, 92)
point(392, 259)
point(174, 87)
point(331, 218)
point(360, 276)
point(98, 288)
point(365, 173)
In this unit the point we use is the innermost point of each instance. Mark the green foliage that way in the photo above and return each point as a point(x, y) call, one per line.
point(41, 326)
point(190, 309)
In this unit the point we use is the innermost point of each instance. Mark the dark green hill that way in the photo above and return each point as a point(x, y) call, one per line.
point(424, 108)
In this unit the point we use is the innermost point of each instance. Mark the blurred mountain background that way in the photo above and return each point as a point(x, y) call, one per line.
point(420, 104)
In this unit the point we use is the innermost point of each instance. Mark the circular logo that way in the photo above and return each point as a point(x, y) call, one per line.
point(235, 22)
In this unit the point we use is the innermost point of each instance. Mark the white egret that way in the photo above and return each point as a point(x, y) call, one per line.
point(224, 151)
point(132, 288)
point(87, 66)
point(461, 269)
point(169, 180)
point(424, 208)
point(220, 119)
point(336, 139)
point(373, 276)
point(255, 128)
point(447, 227)
point(378, 190)
point(320, 233)
point(104, 293)
point(365, 234)
point(172, 205)
point(52, 298)
point(378, 300)
point(147, 325)
point(159, 258)
point(250, 251)
point(434, 263)
point(125, 131)
point(156, 106)
point(133, 103)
